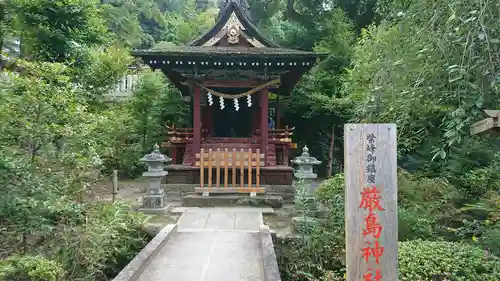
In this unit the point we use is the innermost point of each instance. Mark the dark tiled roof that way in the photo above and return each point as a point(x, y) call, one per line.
point(194, 51)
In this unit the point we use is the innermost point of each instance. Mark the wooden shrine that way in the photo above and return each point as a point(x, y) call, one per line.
point(226, 76)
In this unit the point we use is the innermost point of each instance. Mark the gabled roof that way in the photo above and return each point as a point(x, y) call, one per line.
point(233, 45)
point(233, 12)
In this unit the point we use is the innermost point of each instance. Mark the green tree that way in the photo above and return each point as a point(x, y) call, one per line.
point(43, 206)
point(124, 23)
point(435, 62)
point(54, 30)
point(155, 103)
point(186, 24)
point(98, 71)
point(319, 97)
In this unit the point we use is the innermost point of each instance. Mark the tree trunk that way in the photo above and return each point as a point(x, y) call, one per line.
point(329, 166)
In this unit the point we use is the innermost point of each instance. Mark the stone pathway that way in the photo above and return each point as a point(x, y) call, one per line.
point(212, 244)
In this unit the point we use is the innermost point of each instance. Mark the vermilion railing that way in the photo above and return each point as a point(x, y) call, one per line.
point(281, 135)
point(182, 135)
point(179, 135)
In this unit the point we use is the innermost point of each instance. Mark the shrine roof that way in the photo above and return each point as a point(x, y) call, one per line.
point(218, 51)
point(234, 47)
point(231, 9)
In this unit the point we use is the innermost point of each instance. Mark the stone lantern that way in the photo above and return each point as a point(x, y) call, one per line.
point(154, 200)
point(305, 164)
point(305, 190)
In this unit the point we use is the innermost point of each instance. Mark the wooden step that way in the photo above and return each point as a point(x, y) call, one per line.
point(188, 159)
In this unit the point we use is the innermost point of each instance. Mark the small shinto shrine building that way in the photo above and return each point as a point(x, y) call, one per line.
point(227, 75)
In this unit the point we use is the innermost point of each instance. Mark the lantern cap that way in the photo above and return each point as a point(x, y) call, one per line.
point(156, 156)
point(305, 158)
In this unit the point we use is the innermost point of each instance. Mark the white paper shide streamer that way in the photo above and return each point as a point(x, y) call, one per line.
point(221, 102)
point(236, 105)
point(210, 99)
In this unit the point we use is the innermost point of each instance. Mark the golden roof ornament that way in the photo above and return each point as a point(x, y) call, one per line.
point(233, 34)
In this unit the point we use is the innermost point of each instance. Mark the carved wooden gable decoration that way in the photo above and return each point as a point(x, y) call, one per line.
point(233, 28)
point(231, 32)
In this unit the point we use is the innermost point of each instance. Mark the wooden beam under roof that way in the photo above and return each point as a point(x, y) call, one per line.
point(491, 124)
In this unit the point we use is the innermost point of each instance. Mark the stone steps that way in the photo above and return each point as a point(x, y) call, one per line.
point(215, 200)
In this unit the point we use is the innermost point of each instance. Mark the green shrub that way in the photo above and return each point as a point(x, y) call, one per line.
point(308, 258)
point(100, 248)
point(331, 189)
point(479, 182)
point(439, 260)
point(414, 225)
point(482, 223)
point(323, 247)
point(331, 193)
point(434, 195)
point(490, 239)
point(126, 160)
point(30, 268)
point(423, 202)
point(426, 206)
point(413, 192)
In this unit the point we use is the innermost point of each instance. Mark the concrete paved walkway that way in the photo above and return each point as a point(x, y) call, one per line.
point(212, 244)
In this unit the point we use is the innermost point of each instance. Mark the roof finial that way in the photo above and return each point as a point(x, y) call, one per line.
point(224, 4)
point(242, 3)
